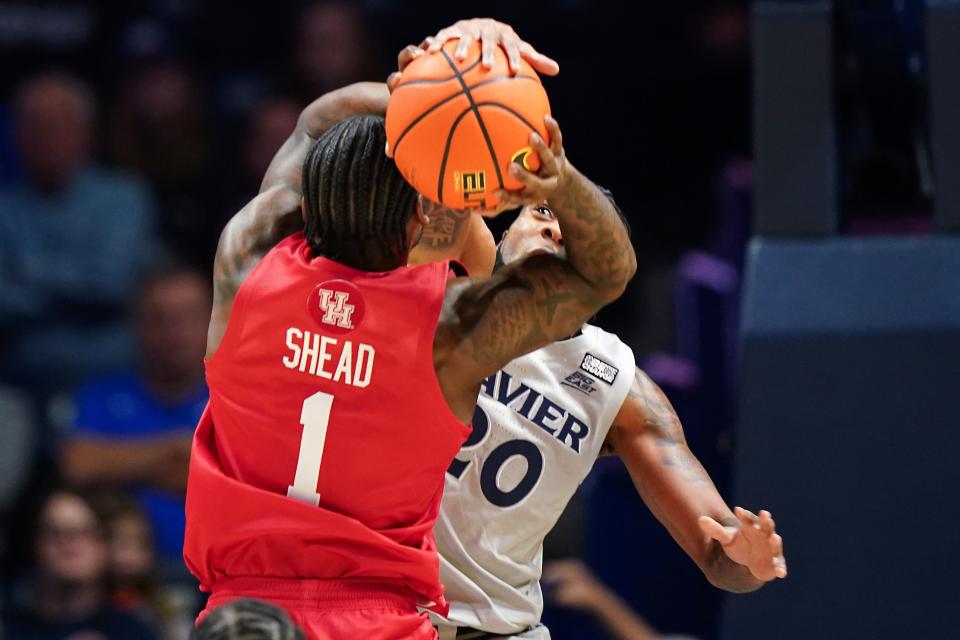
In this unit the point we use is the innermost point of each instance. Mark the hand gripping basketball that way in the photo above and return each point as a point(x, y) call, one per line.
point(539, 186)
point(454, 128)
point(491, 34)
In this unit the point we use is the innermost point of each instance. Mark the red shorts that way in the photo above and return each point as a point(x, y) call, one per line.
point(334, 609)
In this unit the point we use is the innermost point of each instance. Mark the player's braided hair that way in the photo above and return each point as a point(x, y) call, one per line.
point(247, 619)
point(357, 203)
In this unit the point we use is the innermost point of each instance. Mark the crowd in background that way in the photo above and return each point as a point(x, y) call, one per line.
point(130, 132)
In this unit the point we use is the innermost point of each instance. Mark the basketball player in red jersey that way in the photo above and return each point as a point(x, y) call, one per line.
point(341, 381)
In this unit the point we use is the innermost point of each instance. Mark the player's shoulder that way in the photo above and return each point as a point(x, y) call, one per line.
point(605, 351)
point(598, 333)
point(595, 333)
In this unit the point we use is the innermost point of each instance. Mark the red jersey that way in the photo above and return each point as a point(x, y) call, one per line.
point(323, 450)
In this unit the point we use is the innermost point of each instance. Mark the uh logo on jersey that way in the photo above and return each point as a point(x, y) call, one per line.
point(337, 306)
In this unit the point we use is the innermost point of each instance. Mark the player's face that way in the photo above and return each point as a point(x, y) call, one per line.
point(535, 231)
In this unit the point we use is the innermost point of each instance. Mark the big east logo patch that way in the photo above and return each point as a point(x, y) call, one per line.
point(336, 306)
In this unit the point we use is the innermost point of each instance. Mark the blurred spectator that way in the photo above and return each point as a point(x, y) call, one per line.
point(36, 35)
point(134, 580)
point(74, 238)
point(66, 595)
point(333, 48)
point(158, 128)
point(247, 619)
point(134, 429)
point(132, 560)
point(267, 129)
point(570, 584)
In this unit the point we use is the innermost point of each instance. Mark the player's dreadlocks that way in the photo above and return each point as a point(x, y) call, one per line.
point(357, 203)
point(247, 619)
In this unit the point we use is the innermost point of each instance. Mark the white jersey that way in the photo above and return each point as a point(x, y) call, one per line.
point(539, 426)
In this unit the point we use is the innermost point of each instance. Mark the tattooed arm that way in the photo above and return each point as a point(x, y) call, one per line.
point(457, 235)
point(275, 212)
point(487, 322)
point(648, 437)
point(596, 242)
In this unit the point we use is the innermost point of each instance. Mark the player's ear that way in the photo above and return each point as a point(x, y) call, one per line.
point(420, 212)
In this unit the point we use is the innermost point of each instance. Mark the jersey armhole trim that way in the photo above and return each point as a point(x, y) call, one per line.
point(458, 269)
point(428, 336)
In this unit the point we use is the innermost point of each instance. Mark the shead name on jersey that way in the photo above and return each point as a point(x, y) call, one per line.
point(337, 360)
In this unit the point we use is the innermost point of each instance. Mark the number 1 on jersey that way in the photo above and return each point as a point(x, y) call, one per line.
point(315, 416)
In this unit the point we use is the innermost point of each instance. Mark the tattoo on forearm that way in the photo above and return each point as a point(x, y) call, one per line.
point(553, 297)
point(545, 307)
point(662, 421)
point(596, 239)
point(510, 331)
point(683, 460)
point(659, 414)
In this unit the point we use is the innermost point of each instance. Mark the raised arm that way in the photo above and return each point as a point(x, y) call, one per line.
point(736, 550)
point(275, 212)
point(542, 298)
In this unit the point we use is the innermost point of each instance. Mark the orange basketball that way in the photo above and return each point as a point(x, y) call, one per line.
point(454, 127)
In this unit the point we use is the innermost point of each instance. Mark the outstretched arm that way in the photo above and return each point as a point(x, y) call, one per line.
point(275, 212)
point(542, 298)
point(736, 550)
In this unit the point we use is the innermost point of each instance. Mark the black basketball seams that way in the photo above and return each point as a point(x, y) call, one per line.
point(500, 105)
point(420, 117)
point(437, 80)
point(446, 152)
point(476, 113)
point(439, 104)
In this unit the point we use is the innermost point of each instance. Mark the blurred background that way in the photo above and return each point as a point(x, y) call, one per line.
point(791, 171)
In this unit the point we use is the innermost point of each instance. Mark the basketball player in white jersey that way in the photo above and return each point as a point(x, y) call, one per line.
point(539, 425)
